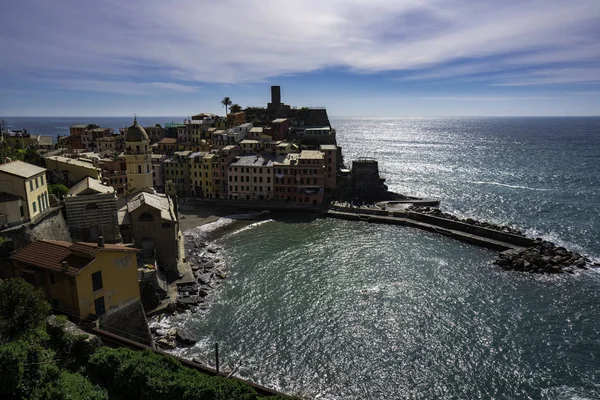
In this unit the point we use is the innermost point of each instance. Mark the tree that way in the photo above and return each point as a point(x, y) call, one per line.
point(235, 108)
point(226, 102)
point(22, 309)
point(58, 189)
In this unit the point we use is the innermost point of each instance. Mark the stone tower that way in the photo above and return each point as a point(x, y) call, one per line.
point(138, 156)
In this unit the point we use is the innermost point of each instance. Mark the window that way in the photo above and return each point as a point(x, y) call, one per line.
point(99, 305)
point(42, 179)
point(31, 186)
point(139, 169)
point(97, 281)
point(146, 217)
point(34, 207)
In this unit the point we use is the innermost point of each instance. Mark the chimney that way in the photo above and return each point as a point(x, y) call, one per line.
point(100, 241)
point(64, 266)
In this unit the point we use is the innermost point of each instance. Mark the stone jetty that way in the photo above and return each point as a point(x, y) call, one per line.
point(439, 213)
point(517, 251)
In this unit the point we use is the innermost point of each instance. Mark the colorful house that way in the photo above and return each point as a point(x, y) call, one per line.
point(80, 279)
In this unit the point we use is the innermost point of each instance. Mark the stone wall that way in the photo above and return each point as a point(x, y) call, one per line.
point(128, 321)
point(51, 227)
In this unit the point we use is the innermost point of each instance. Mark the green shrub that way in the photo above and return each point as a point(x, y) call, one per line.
point(72, 386)
point(149, 376)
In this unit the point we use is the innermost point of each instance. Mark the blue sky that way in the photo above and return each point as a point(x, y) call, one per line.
point(356, 57)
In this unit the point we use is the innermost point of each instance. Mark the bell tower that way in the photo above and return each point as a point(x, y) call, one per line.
point(138, 156)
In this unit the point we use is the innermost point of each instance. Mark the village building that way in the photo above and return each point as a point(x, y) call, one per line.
point(158, 180)
point(177, 169)
point(149, 221)
point(28, 182)
point(250, 178)
point(114, 174)
point(330, 152)
point(82, 279)
point(195, 167)
point(168, 146)
point(91, 211)
point(71, 170)
point(11, 210)
point(299, 178)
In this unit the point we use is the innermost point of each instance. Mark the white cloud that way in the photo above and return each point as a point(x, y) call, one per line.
point(234, 41)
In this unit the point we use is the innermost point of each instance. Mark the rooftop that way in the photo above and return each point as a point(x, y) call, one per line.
point(89, 185)
point(328, 147)
point(311, 154)
point(279, 120)
point(22, 169)
point(256, 129)
point(50, 254)
point(157, 201)
point(251, 161)
point(73, 161)
point(168, 141)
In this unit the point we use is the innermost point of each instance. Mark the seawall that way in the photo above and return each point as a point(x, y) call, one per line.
point(488, 238)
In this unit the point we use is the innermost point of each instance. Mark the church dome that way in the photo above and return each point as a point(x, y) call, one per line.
point(135, 133)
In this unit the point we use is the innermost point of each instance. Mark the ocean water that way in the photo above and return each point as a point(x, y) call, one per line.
point(347, 310)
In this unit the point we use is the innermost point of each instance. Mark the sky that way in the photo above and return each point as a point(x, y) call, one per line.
point(355, 57)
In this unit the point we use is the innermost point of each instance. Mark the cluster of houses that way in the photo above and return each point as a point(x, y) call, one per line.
point(262, 154)
point(119, 245)
point(120, 210)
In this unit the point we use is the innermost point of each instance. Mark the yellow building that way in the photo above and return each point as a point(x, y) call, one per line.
point(138, 156)
point(82, 279)
point(28, 182)
point(177, 170)
point(72, 170)
point(209, 162)
point(195, 161)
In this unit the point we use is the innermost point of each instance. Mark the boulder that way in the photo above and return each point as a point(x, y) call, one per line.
point(186, 302)
point(166, 343)
point(204, 278)
point(212, 250)
point(183, 336)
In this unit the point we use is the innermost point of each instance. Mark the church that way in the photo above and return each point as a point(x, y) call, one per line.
point(146, 218)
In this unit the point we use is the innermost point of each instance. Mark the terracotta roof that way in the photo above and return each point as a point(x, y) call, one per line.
point(168, 141)
point(49, 255)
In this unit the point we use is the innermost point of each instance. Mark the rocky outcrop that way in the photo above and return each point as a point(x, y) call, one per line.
point(436, 212)
point(545, 257)
point(183, 336)
point(208, 269)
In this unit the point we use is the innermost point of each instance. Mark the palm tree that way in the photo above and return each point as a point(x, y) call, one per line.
point(226, 102)
point(235, 108)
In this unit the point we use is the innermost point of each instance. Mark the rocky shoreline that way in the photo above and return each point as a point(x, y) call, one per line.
point(208, 270)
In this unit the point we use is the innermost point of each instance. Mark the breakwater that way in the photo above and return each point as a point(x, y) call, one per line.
point(517, 252)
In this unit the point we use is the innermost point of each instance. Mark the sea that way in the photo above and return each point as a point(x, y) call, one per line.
point(332, 309)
